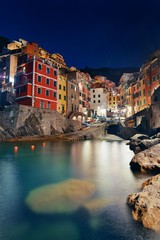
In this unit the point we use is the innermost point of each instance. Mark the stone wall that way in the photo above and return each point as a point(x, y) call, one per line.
point(23, 120)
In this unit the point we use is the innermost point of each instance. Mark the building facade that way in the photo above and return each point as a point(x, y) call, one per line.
point(36, 83)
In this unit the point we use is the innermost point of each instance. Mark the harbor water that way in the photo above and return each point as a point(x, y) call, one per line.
point(36, 165)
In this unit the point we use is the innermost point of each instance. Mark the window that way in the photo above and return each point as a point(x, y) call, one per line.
point(93, 90)
point(54, 94)
point(55, 73)
point(144, 92)
point(60, 86)
point(99, 101)
point(64, 88)
point(39, 78)
point(47, 92)
point(149, 93)
point(99, 95)
point(39, 90)
point(48, 70)
point(148, 82)
point(39, 66)
point(55, 84)
point(59, 96)
point(48, 105)
point(47, 81)
point(41, 104)
point(65, 98)
point(94, 96)
point(94, 101)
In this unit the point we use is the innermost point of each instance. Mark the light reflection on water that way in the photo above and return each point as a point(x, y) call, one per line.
point(106, 164)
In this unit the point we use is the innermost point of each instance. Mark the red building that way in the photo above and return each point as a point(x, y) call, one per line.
point(36, 82)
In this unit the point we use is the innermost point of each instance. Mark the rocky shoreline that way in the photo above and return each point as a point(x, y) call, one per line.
point(145, 205)
point(88, 133)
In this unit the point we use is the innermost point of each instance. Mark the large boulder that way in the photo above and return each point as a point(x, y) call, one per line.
point(147, 160)
point(121, 131)
point(146, 204)
point(138, 145)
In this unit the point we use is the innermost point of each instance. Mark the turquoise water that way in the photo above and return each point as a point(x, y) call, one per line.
point(105, 164)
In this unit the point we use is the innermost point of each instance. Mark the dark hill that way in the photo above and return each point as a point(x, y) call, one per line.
point(3, 43)
point(113, 74)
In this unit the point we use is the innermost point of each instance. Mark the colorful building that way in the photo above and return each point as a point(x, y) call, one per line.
point(35, 83)
point(62, 91)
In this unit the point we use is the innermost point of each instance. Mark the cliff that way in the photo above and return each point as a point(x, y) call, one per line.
point(18, 121)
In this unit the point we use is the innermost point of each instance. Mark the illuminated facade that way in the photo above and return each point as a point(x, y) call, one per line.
point(36, 83)
point(99, 96)
point(62, 92)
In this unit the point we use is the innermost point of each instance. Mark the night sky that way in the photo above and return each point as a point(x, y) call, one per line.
point(102, 33)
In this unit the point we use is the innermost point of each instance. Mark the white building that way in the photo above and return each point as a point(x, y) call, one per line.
point(99, 101)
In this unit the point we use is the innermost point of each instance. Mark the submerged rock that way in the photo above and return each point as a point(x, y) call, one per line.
point(63, 197)
point(146, 204)
point(147, 160)
point(97, 204)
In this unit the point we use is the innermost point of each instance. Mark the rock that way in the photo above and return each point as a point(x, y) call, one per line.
point(158, 135)
point(146, 204)
point(137, 145)
point(63, 197)
point(18, 121)
point(147, 160)
point(121, 131)
point(140, 136)
point(111, 137)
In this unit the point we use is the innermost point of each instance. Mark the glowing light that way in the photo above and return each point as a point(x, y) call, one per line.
point(44, 144)
point(32, 147)
point(15, 149)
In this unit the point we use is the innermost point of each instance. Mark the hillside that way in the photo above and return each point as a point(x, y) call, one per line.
point(113, 74)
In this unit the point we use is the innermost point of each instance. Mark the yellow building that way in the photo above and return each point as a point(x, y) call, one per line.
point(61, 92)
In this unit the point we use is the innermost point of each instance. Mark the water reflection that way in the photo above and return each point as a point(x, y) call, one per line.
point(104, 216)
